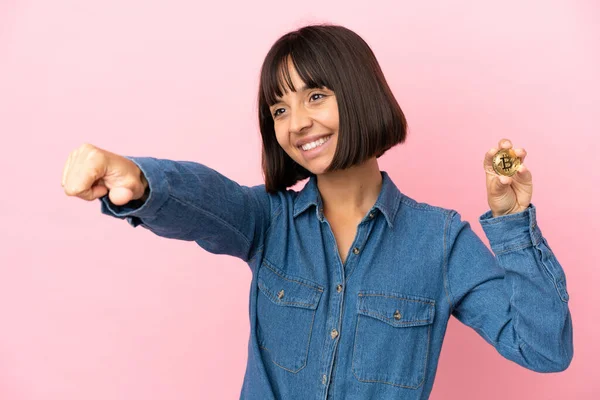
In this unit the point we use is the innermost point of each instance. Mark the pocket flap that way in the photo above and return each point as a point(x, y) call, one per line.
point(285, 290)
point(396, 309)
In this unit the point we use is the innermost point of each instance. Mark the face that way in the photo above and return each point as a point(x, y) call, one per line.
point(306, 124)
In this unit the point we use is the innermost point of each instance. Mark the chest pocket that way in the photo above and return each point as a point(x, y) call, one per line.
point(391, 342)
point(286, 308)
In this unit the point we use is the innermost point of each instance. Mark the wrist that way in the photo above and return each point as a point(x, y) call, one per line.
point(509, 212)
point(145, 185)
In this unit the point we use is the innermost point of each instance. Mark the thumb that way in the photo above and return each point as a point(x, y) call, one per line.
point(120, 196)
point(93, 193)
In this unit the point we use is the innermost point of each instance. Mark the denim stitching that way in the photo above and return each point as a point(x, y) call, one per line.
point(516, 317)
point(429, 328)
point(385, 382)
point(507, 217)
point(256, 253)
point(374, 314)
point(281, 366)
point(515, 247)
point(552, 277)
point(362, 294)
point(540, 259)
point(289, 303)
point(307, 348)
point(316, 287)
point(424, 206)
point(445, 262)
point(350, 271)
point(270, 296)
point(259, 249)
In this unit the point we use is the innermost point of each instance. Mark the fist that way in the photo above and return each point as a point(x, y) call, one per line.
point(91, 173)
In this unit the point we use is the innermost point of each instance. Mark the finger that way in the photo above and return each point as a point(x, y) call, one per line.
point(86, 178)
point(521, 153)
point(99, 191)
point(93, 193)
point(523, 174)
point(80, 181)
point(66, 170)
point(504, 181)
point(499, 185)
point(504, 144)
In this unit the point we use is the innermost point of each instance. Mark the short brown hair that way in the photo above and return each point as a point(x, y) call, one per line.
point(370, 119)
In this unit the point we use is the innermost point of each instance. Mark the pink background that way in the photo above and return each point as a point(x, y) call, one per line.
point(92, 309)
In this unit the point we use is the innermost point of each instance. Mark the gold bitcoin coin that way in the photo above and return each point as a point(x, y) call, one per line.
point(506, 162)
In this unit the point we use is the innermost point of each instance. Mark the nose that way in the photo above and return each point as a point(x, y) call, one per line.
point(300, 120)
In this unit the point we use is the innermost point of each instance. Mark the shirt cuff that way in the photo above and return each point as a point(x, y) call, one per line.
point(512, 231)
point(135, 210)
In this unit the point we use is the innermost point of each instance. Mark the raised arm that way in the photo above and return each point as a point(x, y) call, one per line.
point(516, 300)
point(174, 199)
point(190, 201)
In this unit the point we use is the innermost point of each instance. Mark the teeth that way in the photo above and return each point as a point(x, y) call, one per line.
point(314, 144)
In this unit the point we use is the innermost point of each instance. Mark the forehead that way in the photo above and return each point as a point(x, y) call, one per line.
point(289, 80)
point(286, 76)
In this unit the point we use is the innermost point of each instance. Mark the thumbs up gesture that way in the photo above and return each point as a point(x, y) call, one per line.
point(91, 172)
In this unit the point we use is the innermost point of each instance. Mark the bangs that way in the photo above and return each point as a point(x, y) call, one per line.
point(276, 79)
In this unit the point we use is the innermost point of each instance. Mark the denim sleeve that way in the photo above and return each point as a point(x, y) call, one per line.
point(516, 300)
point(190, 201)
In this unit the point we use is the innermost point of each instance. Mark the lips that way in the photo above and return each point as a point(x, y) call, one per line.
point(315, 152)
point(310, 139)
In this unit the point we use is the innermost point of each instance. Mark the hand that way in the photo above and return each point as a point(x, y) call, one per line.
point(91, 173)
point(507, 194)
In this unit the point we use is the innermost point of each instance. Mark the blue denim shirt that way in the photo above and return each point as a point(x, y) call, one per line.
point(372, 327)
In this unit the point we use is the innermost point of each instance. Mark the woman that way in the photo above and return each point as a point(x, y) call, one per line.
point(353, 282)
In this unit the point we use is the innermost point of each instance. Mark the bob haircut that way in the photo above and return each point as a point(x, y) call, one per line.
point(331, 56)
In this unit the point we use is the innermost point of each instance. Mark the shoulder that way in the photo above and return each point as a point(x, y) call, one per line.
point(279, 201)
point(411, 205)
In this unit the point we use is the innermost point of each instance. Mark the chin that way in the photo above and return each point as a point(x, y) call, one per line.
point(318, 167)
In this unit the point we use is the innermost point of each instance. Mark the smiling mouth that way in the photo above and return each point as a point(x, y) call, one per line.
point(317, 143)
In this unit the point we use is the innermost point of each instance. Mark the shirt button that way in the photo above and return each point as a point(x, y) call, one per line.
point(371, 215)
point(324, 379)
point(356, 250)
point(339, 288)
point(280, 294)
point(334, 333)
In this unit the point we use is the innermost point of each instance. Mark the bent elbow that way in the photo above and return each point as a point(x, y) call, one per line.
point(540, 363)
point(554, 367)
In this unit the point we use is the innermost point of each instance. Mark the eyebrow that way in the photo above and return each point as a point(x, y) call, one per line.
point(301, 89)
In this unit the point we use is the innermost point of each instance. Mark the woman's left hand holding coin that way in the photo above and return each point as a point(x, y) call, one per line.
point(507, 194)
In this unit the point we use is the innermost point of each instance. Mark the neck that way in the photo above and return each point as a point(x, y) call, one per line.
point(350, 192)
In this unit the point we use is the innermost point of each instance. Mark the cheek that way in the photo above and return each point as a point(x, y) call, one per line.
point(335, 119)
point(282, 138)
point(279, 136)
point(330, 118)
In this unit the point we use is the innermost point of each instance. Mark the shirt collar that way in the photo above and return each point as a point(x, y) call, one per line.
point(387, 202)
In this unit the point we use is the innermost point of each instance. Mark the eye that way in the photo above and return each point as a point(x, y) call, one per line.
point(316, 96)
point(277, 112)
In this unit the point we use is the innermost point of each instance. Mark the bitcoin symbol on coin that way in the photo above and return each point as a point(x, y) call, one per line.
point(506, 162)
